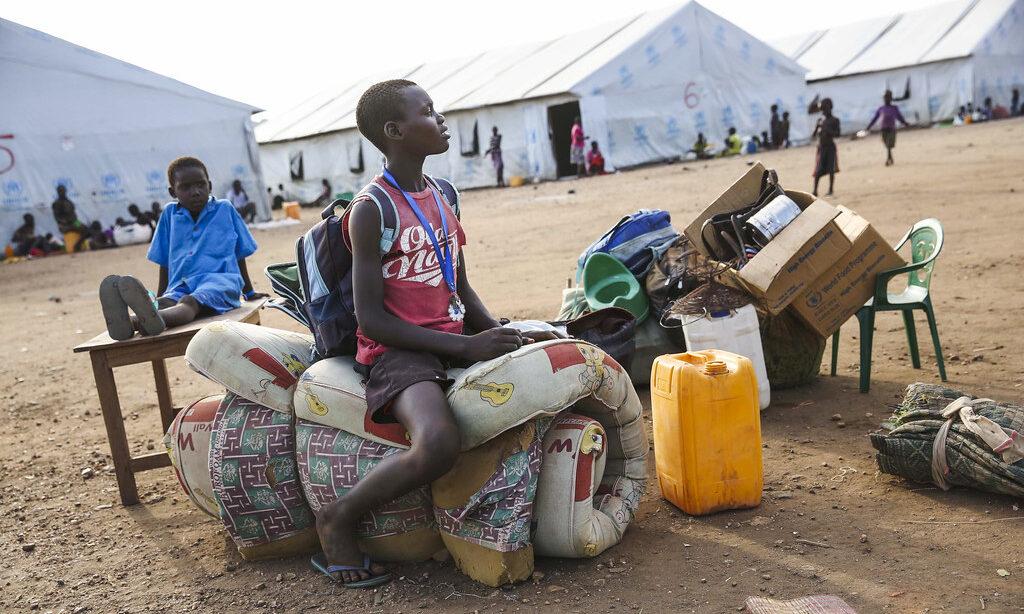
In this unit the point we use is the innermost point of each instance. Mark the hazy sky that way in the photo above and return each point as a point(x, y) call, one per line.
point(273, 54)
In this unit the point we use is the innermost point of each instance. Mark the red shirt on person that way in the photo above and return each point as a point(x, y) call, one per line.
point(414, 288)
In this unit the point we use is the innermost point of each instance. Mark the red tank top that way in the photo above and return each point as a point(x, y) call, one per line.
point(414, 288)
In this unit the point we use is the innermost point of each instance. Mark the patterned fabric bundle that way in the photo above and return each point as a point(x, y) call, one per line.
point(497, 515)
point(906, 450)
point(331, 462)
point(252, 466)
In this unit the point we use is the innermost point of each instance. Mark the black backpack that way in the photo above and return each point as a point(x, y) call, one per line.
point(316, 290)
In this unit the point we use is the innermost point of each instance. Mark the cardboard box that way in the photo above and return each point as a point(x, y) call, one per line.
point(805, 249)
point(835, 296)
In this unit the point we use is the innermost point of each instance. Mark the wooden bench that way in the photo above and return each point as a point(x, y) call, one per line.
point(106, 354)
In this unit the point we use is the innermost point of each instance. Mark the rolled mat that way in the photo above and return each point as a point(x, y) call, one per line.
point(906, 449)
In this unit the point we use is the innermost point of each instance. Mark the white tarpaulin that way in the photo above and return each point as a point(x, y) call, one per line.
point(950, 54)
point(644, 86)
point(106, 130)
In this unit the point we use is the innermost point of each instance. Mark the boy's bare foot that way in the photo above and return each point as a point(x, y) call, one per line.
point(337, 537)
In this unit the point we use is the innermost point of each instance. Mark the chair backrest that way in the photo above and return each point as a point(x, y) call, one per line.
point(925, 244)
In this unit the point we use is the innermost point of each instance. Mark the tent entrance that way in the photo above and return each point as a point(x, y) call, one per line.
point(560, 117)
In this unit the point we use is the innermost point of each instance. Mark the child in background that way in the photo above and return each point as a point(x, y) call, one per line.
point(733, 144)
point(200, 245)
point(701, 148)
point(826, 160)
point(595, 161)
point(890, 114)
point(577, 143)
point(784, 130)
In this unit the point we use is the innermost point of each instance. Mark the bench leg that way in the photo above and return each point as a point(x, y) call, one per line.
point(163, 393)
point(114, 422)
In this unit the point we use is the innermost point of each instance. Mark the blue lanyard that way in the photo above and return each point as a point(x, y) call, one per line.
point(444, 257)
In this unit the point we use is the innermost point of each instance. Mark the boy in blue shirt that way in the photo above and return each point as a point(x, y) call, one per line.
point(201, 244)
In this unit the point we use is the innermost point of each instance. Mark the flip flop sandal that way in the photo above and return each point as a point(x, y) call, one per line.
point(320, 564)
point(137, 297)
point(115, 310)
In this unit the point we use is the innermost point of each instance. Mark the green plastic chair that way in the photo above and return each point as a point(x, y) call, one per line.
point(608, 283)
point(925, 244)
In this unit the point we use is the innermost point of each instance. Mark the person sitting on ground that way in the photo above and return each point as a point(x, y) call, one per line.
point(960, 118)
point(142, 218)
point(889, 114)
point(123, 223)
point(99, 237)
point(595, 161)
point(733, 144)
point(240, 201)
point(826, 161)
point(325, 196)
point(66, 218)
point(200, 245)
point(701, 148)
point(986, 110)
point(24, 241)
point(411, 323)
point(784, 130)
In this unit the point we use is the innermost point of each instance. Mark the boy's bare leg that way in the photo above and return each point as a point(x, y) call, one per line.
point(423, 410)
point(174, 313)
point(816, 180)
point(185, 311)
point(831, 182)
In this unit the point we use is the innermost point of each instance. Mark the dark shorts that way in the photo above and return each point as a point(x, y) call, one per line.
point(889, 137)
point(394, 371)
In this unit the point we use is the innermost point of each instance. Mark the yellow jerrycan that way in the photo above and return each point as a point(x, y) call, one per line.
point(707, 431)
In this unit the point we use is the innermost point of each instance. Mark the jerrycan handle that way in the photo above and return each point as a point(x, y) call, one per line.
point(710, 363)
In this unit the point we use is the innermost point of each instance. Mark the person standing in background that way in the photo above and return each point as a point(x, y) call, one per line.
point(494, 151)
point(577, 143)
point(784, 130)
point(775, 127)
point(890, 114)
point(827, 157)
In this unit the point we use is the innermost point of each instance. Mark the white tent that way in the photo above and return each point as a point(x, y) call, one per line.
point(644, 87)
point(106, 130)
point(949, 54)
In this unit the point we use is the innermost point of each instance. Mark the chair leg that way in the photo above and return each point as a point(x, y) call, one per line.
point(935, 338)
point(908, 323)
point(866, 317)
point(835, 351)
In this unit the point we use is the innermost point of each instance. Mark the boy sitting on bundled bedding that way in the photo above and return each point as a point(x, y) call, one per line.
point(201, 245)
point(410, 318)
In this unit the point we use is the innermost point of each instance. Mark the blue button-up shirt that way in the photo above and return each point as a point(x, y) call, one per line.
point(202, 256)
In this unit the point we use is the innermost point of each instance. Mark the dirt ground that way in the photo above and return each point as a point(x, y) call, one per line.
point(69, 546)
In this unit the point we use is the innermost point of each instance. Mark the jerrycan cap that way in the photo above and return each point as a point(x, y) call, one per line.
point(715, 367)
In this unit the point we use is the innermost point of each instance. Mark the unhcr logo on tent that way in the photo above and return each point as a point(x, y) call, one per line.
point(154, 183)
point(111, 183)
point(13, 194)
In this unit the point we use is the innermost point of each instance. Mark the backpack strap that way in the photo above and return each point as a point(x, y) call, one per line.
point(389, 221)
point(449, 192)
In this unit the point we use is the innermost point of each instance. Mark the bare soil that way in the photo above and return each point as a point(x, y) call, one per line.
point(69, 546)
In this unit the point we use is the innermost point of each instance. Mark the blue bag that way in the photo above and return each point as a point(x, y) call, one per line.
point(637, 241)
